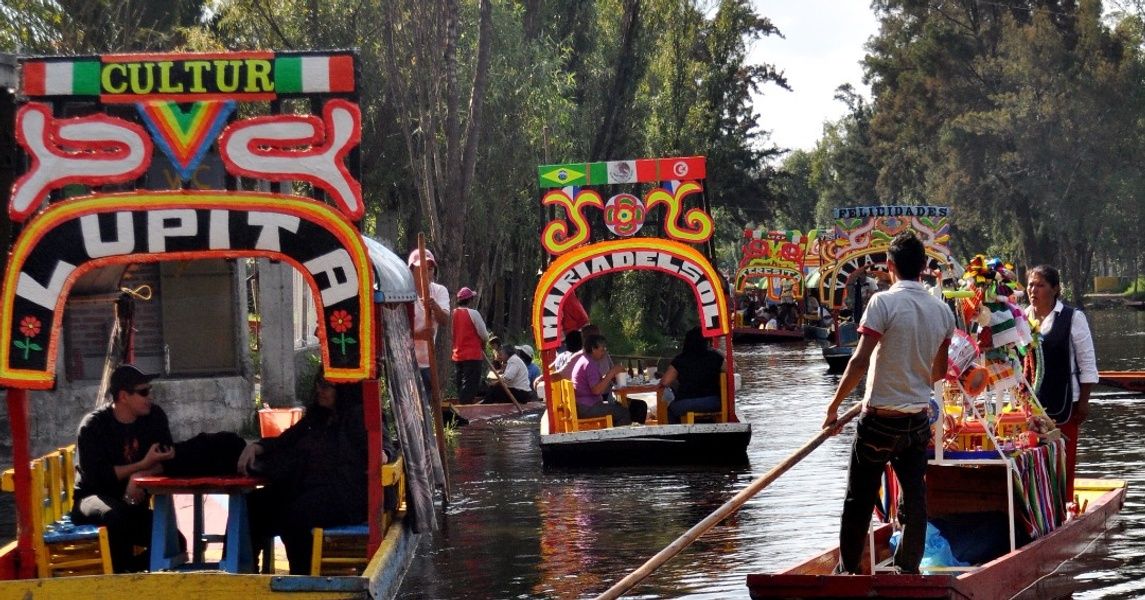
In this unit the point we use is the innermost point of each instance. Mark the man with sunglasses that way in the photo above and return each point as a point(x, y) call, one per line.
point(128, 436)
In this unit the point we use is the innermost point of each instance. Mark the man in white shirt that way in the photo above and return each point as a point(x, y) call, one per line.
point(423, 332)
point(905, 334)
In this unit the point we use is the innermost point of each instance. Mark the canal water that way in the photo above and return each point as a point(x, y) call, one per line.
point(516, 529)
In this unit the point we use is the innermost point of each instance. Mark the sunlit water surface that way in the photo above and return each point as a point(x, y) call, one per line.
point(515, 529)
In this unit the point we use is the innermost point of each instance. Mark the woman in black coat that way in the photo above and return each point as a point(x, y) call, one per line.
point(317, 470)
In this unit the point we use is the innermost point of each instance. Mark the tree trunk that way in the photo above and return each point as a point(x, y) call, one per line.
point(624, 82)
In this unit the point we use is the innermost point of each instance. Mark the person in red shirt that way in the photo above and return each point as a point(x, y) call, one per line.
point(573, 315)
point(469, 337)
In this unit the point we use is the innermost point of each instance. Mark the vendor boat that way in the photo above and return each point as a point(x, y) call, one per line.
point(1000, 515)
point(1133, 381)
point(65, 245)
point(566, 439)
point(1001, 577)
point(770, 272)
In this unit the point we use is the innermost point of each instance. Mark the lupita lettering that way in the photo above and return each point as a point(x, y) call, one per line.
point(172, 233)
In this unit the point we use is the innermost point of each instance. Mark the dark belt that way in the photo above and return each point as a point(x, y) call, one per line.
point(887, 413)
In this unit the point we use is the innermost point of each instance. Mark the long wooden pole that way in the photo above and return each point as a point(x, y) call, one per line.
point(435, 386)
point(724, 511)
point(504, 385)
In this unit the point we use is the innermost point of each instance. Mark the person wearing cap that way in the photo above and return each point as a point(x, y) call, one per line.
point(128, 436)
point(525, 351)
point(424, 331)
point(515, 376)
point(469, 338)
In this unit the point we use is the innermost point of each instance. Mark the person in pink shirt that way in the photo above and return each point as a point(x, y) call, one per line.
point(425, 330)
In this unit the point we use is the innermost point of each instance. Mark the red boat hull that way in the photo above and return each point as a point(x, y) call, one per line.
point(751, 335)
point(1133, 381)
point(1002, 577)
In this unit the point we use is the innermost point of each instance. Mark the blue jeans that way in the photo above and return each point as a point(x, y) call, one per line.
point(901, 441)
point(680, 406)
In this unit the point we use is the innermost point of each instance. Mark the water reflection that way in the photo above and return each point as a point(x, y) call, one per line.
point(517, 530)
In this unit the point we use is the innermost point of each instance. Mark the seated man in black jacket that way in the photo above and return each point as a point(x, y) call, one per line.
point(126, 437)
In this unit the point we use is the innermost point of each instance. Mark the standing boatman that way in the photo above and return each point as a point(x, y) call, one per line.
point(905, 333)
point(423, 329)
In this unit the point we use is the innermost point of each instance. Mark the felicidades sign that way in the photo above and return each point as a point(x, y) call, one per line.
point(71, 238)
point(574, 268)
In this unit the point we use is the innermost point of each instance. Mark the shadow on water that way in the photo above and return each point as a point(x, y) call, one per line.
point(518, 530)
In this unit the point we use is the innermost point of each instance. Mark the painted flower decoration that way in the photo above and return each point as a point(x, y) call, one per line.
point(624, 214)
point(790, 252)
point(30, 327)
point(341, 321)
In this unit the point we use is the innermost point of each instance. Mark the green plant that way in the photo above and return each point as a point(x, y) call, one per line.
point(1136, 289)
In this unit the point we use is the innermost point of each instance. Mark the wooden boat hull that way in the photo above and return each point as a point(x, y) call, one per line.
point(815, 332)
point(1133, 381)
point(699, 444)
point(753, 335)
point(837, 357)
point(379, 581)
point(471, 413)
point(1002, 577)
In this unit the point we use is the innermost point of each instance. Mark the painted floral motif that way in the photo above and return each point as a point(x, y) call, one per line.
point(29, 326)
point(624, 214)
point(341, 322)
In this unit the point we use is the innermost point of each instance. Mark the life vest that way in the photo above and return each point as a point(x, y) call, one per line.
point(467, 345)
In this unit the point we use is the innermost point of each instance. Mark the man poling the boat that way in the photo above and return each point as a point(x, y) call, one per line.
point(905, 332)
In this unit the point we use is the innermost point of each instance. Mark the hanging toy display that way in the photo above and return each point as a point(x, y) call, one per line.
point(993, 369)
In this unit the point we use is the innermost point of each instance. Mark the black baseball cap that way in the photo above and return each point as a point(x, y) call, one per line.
point(126, 377)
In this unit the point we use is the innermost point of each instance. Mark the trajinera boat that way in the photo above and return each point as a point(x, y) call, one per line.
point(674, 185)
point(855, 251)
point(1000, 514)
point(150, 123)
point(771, 274)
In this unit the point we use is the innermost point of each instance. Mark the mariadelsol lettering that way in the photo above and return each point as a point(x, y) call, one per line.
point(626, 260)
point(198, 76)
point(863, 212)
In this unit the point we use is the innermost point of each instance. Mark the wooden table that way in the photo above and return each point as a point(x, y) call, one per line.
point(165, 555)
point(634, 389)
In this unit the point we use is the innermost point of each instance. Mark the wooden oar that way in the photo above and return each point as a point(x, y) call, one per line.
point(505, 386)
point(435, 387)
point(724, 511)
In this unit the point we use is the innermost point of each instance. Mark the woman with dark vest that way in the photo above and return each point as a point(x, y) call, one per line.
point(1070, 362)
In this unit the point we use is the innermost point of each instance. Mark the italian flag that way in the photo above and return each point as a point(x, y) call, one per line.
point(61, 78)
point(307, 74)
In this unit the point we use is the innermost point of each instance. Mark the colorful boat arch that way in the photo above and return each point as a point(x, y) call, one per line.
point(862, 236)
point(317, 239)
point(773, 257)
point(572, 269)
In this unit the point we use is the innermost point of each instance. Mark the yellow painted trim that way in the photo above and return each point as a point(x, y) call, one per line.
point(199, 585)
point(386, 550)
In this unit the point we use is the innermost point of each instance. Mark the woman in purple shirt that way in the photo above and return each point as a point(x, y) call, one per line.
point(590, 384)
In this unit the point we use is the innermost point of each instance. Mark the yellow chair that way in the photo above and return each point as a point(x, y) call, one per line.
point(342, 550)
point(564, 400)
point(720, 416)
point(60, 547)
